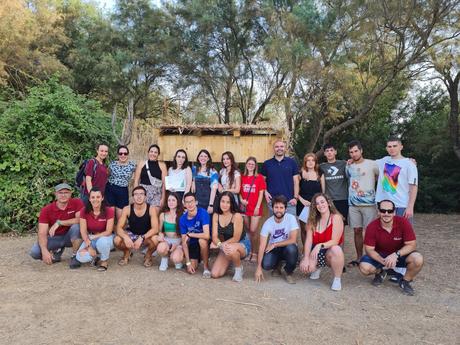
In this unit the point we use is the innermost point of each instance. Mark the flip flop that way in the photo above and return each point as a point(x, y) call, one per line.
point(253, 257)
point(123, 261)
point(148, 262)
point(102, 268)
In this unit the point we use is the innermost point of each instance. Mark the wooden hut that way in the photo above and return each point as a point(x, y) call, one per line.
point(242, 140)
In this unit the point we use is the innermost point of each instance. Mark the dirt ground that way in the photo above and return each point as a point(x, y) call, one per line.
point(43, 304)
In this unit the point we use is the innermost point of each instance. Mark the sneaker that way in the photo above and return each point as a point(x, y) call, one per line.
point(336, 284)
point(179, 266)
point(379, 278)
point(206, 274)
point(289, 278)
point(277, 271)
point(164, 264)
point(238, 276)
point(74, 263)
point(315, 275)
point(94, 262)
point(406, 288)
point(394, 276)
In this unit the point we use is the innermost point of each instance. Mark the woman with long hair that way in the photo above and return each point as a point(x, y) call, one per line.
point(96, 228)
point(96, 173)
point(229, 175)
point(323, 240)
point(120, 173)
point(151, 175)
point(181, 173)
point(230, 238)
point(310, 183)
point(251, 197)
point(169, 238)
point(205, 181)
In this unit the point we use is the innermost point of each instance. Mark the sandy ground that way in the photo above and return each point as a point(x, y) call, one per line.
point(133, 305)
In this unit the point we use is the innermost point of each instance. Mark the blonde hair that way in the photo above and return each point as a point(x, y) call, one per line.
point(315, 216)
point(255, 169)
point(315, 158)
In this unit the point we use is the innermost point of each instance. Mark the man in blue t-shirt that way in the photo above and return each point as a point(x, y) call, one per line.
point(194, 228)
point(282, 177)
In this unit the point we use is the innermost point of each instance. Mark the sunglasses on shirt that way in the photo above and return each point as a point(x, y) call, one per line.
point(382, 210)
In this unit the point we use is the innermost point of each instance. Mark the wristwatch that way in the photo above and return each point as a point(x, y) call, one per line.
point(398, 254)
point(322, 246)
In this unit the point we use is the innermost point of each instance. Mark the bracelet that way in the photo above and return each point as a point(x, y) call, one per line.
point(219, 244)
point(58, 222)
point(188, 263)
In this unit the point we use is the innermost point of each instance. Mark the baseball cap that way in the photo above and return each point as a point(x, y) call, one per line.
point(62, 186)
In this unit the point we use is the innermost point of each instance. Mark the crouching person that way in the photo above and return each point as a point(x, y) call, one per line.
point(390, 242)
point(96, 227)
point(141, 223)
point(58, 226)
point(194, 228)
point(282, 245)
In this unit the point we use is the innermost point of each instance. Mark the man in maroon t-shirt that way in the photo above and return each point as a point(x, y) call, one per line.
point(390, 242)
point(58, 226)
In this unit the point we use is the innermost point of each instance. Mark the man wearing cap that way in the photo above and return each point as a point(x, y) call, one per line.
point(58, 227)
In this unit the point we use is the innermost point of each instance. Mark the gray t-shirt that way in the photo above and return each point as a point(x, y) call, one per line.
point(336, 179)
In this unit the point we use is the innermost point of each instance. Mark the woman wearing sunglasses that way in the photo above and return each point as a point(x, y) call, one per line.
point(120, 173)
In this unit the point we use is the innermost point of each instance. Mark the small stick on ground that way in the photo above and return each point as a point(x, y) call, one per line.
point(237, 302)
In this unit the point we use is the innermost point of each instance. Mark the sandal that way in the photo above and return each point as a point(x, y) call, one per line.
point(123, 261)
point(148, 262)
point(248, 258)
point(253, 257)
point(353, 263)
point(102, 267)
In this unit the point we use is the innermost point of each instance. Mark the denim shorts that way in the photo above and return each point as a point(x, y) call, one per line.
point(246, 244)
point(400, 263)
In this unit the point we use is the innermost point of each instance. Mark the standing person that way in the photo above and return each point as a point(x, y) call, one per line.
point(96, 227)
point(334, 172)
point(170, 237)
point(194, 229)
point(229, 176)
point(251, 196)
point(230, 238)
point(181, 173)
point(362, 174)
point(310, 183)
point(282, 244)
point(281, 176)
point(96, 173)
point(151, 175)
point(205, 181)
point(120, 173)
point(398, 179)
point(390, 242)
point(324, 237)
point(141, 223)
point(58, 227)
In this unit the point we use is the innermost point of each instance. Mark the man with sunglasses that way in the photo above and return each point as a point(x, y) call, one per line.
point(390, 242)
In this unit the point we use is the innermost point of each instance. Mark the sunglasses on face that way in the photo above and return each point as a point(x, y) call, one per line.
point(382, 210)
point(122, 153)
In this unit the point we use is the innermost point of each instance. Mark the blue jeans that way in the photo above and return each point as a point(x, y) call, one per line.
point(399, 211)
point(103, 246)
point(289, 254)
point(57, 242)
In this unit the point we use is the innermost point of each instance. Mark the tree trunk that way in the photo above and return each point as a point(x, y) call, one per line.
point(452, 86)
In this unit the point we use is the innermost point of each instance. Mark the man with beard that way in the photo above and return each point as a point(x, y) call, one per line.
point(282, 228)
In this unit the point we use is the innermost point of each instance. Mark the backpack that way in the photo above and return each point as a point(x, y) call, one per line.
point(80, 177)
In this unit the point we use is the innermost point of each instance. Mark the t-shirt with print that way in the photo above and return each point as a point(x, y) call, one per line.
point(336, 179)
point(279, 231)
point(385, 242)
point(97, 224)
point(195, 224)
point(121, 174)
point(395, 176)
point(361, 186)
point(100, 176)
point(250, 189)
point(50, 214)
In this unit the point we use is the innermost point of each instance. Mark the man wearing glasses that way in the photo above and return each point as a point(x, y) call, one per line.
point(142, 228)
point(390, 242)
point(58, 226)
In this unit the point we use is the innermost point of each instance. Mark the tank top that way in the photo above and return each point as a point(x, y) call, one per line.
point(155, 171)
point(227, 231)
point(308, 188)
point(326, 235)
point(167, 226)
point(139, 225)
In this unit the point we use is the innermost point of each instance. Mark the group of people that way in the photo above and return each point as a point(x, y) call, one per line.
point(184, 212)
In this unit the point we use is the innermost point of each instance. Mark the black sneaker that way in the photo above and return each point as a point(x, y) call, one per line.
point(406, 288)
point(56, 256)
point(395, 277)
point(95, 262)
point(379, 278)
point(74, 263)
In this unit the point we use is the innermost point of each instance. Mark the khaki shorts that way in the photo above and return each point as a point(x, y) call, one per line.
point(361, 216)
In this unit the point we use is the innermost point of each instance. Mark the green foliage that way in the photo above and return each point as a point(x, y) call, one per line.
point(43, 138)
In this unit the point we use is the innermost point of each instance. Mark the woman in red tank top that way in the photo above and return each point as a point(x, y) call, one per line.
point(324, 237)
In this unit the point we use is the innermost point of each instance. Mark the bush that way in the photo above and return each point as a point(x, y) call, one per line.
point(43, 138)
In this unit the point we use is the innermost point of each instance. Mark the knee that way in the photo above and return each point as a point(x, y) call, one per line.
point(335, 251)
point(203, 243)
point(118, 241)
point(35, 252)
point(177, 257)
point(104, 243)
point(366, 269)
point(417, 259)
point(162, 248)
point(74, 232)
point(267, 263)
point(292, 249)
point(215, 274)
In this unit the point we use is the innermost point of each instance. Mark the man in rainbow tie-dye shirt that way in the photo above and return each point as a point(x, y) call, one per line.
point(398, 179)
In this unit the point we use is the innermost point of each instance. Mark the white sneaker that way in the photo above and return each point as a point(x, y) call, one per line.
point(315, 275)
point(164, 264)
point(206, 274)
point(336, 284)
point(179, 266)
point(238, 276)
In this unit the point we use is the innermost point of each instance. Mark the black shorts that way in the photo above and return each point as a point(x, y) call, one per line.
point(342, 207)
point(194, 252)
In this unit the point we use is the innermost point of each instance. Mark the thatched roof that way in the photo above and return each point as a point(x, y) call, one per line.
point(216, 129)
